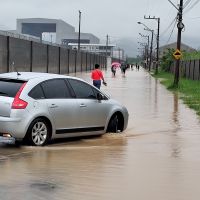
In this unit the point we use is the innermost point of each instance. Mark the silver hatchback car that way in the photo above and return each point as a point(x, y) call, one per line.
point(38, 107)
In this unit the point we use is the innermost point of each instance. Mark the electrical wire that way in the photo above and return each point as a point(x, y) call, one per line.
point(186, 3)
point(165, 31)
point(192, 6)
point(171, 32)
point(193, 17)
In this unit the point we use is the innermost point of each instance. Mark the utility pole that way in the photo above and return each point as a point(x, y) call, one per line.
point(180, 26)
point(79, 30)
point(158, 39)
point(152, 32)
point(106, 45)
point(146, 36)
point(158, 46)
point(145, 45)
point(106, 51)
point(151, 48)
point(119, 54)
point(51, 38)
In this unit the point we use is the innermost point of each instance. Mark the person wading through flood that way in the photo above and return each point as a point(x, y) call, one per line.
point(113, 70)
point(97, 76)
point(123, 68)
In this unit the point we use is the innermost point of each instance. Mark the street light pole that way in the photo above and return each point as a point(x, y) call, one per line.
point(158, 39)
point(151, 49)
point(146, 36)
point(145, 52)
point(79, 30)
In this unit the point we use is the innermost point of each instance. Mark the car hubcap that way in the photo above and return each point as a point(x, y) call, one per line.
point(39, 133)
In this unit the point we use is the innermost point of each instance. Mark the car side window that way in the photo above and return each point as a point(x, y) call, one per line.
point(97, 92)
point(37, 92)
point(82, 90)
point(55, 89)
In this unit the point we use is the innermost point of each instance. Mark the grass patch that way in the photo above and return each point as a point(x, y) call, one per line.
point(189, 89)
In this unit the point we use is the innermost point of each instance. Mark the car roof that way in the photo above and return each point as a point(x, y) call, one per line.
point(26, 76)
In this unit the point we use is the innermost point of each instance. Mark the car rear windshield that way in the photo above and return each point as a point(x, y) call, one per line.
point(10, 87)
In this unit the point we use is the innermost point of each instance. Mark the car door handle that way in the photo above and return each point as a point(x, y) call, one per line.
point(83, 105)
point(53, 106)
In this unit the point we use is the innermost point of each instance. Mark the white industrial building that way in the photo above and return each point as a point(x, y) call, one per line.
point(53, 30)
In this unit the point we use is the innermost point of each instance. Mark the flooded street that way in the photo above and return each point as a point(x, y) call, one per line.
point(156, 158)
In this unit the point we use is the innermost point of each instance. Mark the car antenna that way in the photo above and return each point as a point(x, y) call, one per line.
point(15, 69)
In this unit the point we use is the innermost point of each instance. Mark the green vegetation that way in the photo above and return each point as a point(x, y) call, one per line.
point(189, 90)
point(191, 56)
point(167, 59)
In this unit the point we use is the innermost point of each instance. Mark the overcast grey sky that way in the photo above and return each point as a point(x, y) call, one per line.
point(116, 18)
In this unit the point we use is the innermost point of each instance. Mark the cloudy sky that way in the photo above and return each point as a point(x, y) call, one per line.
point(116, 18)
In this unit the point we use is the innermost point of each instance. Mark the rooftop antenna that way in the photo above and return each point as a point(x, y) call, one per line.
point(15, 69)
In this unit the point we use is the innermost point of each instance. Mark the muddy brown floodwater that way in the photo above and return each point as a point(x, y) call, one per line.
point(156, 158)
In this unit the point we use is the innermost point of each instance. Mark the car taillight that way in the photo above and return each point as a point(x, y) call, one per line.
point(19, 103)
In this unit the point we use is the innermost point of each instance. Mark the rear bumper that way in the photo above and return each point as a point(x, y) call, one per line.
point(14, 126)
point(7, 140)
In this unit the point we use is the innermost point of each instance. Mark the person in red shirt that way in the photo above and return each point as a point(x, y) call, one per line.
point(97, 76)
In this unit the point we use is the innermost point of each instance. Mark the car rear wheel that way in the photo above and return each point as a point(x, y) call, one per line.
point(113, 124)
point(38, 132)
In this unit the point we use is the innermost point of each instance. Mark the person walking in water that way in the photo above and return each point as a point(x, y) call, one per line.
point(123, 68)
point(97, 76)
point(113, 70)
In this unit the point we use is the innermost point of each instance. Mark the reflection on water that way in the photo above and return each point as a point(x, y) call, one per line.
point(175, 141)
point(158, 156)
point(176, 111)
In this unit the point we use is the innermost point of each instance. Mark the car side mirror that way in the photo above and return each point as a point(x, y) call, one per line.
point(99, 96)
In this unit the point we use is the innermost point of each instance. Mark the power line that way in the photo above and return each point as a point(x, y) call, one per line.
point(186, 3)
point(165, 31)
point(171, 32)
point(173, 4)
point(175, 19)
point(192, 6)
point(192, 17)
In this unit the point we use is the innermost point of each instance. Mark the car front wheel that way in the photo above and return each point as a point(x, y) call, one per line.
point(38, 132)
point(113, 124)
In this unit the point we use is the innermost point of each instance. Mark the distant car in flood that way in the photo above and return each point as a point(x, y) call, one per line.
point(38, 107)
